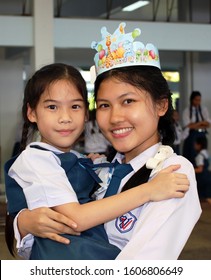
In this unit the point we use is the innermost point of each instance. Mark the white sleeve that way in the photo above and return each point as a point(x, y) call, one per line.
point(205, 114)
point(43, 180)
point(199, 159)
point(25, 244)
point(164, 227)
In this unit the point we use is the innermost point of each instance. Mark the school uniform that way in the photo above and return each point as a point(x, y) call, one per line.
point(54, 178)
point(156, 230)
point(180, 135)
point(196, 116)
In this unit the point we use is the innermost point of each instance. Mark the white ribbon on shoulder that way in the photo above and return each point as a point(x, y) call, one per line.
point(156, 163)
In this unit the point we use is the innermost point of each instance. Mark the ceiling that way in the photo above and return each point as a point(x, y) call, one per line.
point(156, 10)
point(162, 10)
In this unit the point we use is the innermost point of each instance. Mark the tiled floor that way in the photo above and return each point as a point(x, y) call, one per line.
point(198, 246)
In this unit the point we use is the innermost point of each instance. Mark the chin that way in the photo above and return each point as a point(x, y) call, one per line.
point(122, 150)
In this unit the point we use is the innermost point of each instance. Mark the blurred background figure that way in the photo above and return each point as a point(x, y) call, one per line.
point(94, 141)
point(180, 133)
point(196, 118)
point(203, 174)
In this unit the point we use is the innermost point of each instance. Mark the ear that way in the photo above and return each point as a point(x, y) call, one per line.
point(31, 114)
point(162, 107)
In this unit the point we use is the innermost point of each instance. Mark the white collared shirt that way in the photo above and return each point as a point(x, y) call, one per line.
point(157, 230)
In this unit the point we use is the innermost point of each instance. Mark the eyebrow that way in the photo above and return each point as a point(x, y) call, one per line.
point(72, 100)
point(120, 97)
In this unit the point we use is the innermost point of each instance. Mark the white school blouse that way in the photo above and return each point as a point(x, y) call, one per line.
point(157, 230)
point(50, 185)
point(44, 183)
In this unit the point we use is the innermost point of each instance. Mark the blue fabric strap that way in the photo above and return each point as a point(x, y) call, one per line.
point(120, 171)
point(91, 167)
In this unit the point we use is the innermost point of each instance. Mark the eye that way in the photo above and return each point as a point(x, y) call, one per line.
point(77, 106)
point(128, 101)
point(52, 107)
point(102, 105)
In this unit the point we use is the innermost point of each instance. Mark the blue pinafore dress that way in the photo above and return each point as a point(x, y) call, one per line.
point(92, 244)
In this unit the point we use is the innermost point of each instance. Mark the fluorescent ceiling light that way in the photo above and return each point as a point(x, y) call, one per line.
point(135, 6)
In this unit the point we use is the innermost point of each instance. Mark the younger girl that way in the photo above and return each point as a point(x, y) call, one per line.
point(53, 175)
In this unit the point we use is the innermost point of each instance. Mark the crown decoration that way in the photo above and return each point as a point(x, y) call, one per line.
point(120, 50)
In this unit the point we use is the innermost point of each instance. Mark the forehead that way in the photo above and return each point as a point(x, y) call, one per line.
point(113, 87)
point(197, 98)
point(60, 88)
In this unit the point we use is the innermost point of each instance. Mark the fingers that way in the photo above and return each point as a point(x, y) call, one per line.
point(182, 179)
point(179, 195)
point(94, 156)
point(171, 168)
point(57, 237)
point(61, 219)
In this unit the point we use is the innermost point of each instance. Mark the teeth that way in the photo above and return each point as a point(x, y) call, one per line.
point(122, 130)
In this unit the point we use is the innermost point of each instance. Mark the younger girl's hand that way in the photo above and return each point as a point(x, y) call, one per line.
point(94, 156)
point(47, 223)
point(168, 184)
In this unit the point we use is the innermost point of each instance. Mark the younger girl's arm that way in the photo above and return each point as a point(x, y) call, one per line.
point(165, 185)
point(45, 183)
point(45, 222)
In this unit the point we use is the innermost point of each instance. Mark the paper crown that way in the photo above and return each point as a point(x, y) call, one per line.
point(119, 50)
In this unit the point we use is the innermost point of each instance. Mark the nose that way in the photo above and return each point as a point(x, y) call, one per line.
point(65, 117)
point(116, 115)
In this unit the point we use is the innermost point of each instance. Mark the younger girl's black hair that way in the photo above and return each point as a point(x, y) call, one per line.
point(150, 79)
point(35, 87)
point(38, 83)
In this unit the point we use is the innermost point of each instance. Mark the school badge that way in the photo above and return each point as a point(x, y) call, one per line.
point(125, 222)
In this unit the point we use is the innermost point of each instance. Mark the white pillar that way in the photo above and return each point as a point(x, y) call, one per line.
point(43, 51)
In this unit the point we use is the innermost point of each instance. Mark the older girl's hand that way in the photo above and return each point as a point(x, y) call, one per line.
point(47, 223)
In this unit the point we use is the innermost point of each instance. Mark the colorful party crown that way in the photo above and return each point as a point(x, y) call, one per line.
point(120, 50)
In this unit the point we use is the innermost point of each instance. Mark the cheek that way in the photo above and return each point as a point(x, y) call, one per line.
point(99, 118)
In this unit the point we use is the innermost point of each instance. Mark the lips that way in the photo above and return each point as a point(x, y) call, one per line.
point(65, 132)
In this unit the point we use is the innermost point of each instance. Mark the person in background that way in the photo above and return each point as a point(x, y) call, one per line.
point(94, 140)
point(203, 174)
point(180, 133)
point(196, 118)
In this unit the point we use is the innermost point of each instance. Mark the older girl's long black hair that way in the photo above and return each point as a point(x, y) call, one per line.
point(151, 80)
point(35, 87)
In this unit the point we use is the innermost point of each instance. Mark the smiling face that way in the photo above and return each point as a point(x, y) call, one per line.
point(127, 117)
point(60, 115)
